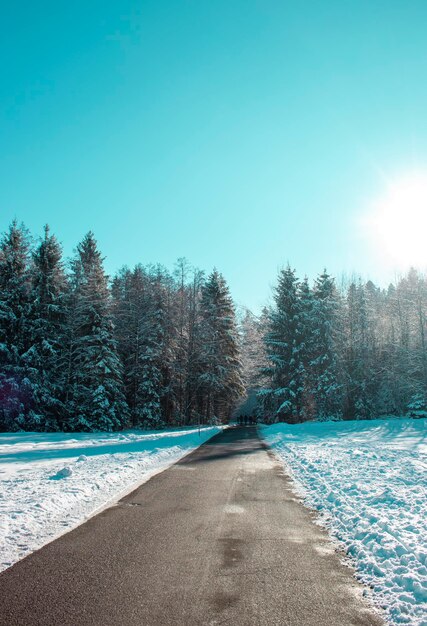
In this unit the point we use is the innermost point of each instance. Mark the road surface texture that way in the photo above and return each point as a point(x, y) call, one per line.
point(218, 538)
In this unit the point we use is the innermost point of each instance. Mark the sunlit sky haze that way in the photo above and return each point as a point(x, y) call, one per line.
point(242, 135)
point(396, 222)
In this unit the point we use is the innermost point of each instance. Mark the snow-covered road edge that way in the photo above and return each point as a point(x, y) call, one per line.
point(366, 482)
point(39, 502)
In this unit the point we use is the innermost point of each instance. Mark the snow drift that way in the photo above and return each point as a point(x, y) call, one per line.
point(368, 480)
point(51, 482)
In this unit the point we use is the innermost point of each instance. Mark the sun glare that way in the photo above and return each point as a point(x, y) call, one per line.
point(397, 223)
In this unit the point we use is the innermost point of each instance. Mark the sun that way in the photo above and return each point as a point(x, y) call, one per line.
point(397, 222)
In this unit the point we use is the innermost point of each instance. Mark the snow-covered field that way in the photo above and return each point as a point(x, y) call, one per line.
point(369, 482)
point(51, 482)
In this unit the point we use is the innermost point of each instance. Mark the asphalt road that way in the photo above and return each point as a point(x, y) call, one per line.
point(218, 538)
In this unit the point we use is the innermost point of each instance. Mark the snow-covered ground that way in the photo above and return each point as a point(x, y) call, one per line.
point(51, 482)
point(369, 482)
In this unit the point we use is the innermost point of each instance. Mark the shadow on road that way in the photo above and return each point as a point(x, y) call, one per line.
point(232, 442)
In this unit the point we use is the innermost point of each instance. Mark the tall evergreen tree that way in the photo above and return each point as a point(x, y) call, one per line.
point(325, 367)
point(15, 331)
point(193, 404)
point(164, 331)
point(220, 383)
point(181, 323)
point(96, 400)
point(145, 331)
point(283, 399)
point(305, 351)
point(48, 318)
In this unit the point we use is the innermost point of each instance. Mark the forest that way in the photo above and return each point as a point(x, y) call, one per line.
point(329, 352)
point(80, 352)
point(148, 348)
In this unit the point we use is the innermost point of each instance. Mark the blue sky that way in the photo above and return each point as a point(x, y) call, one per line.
point(240, 134)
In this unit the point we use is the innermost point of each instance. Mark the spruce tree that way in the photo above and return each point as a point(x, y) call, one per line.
point(155, 357)
point(181, 322)
point(16, 397)
point(48, 318)
point(145, 335)
point(305, 351)
point(325, 368)
point(193, 398)
point(131, 297)
point(361, 378)
point(281, 401)
point(219, 376)
point(96, 395)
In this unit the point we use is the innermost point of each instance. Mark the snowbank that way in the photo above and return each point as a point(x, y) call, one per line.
point(369, 482)
point(51, 482)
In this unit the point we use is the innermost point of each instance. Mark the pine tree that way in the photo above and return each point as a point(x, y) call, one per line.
point(15, 388)
point(181, 323)
point(193, 404)
point(47, 312)
point(156, 399)
point(145, 331)
point(219, 366)
point(164, 328)
point(96, 399)
point(359, 372)
point(410, 304)
point(283, 399)
point(132, 306)
point(388, 400)
point(305, 351)
point(327, 390)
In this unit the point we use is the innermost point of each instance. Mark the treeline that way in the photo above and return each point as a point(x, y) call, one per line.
point(354, 352)
point(152, 348)
point(78, 352)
